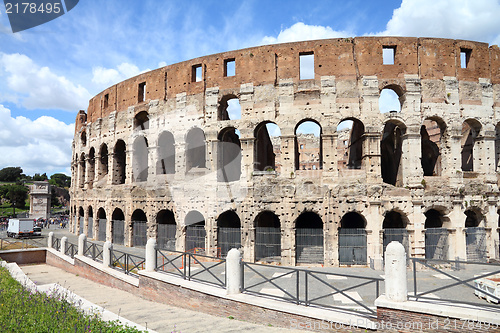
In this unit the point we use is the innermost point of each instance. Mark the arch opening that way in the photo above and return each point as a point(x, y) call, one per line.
point(350, 143)
point(103, 161)
point(139, 228)
point(90, 226)
point(140, 164)
point(470, 132)
point(141, 121)
point(229, 108)
point(308, 146)
point(352, 240)
point(267, 237)
point(119, 159)
point(394, 229)
point(228, 232)
point(430, 140)
point(101, 216)
point(391, 148)
point(91, 168)
point(195, 149)
point(118, 227)
point(475, 236)
point(436, 237)
point(229, 155)
point(391, 99)
point(195, 232)
point(309, 246)
point(267, 148)
point(167, 228)
point(166, 154)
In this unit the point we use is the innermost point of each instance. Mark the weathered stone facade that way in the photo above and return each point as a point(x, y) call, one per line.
point(150, 149)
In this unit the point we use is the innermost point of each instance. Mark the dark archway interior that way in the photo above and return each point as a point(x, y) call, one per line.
point(118, 215)
point(229, 159)
point(165, 217)
point(393, 220)
point(352, 220)
point(101, 214)
point(309, 220)
point(139, 215)
point(471, 220)
point(430, 153)
point(228, 219)
point(267, 220)
point(391, 149)
point(433, 219)
point(194, 218)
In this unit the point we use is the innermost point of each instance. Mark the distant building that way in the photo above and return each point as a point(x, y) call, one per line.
point(39, 200)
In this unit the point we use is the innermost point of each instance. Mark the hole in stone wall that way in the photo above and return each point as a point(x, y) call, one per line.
point(106, 101)
point(82, 170)
point(388, 55)
point(119, 167)
point(195, 149)
point(465, 57)
point(103, 161)
point(389, 101)
point(433, 219)
point(140, 159)
point(472, 219)
point(141, 121)
point(229, 67)
point(196, 74)
point(470, 131)
point(306, 60)
point(83, 139)
point(393, 220)
point(91, 167)
point(308, 147)
point(267, 147)
point(141, 92)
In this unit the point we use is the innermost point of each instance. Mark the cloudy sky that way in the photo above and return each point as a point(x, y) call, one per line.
point(49, 72)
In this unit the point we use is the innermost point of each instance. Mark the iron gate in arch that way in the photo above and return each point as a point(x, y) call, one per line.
point(228, 238)
point(195, 238)
point(268, 243)
point(398, 235)
point(118, 232)
point(166, 236)
point(436, 243)
point(352, 246)
point(475, 240)
point(140, 231)
point(309, 245)
point(102, 230)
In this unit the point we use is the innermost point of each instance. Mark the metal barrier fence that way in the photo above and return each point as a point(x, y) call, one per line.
point(127, 262)
point(475, 239)
point(93, 251)
point(352, 246)
point(309, 245)
point(463, 285)
point(71, 249)
point(56, 243)
point(349, 293)
point(192, 266)
point(436, 243)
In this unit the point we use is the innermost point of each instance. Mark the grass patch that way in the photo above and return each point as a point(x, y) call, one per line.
point(24, 311)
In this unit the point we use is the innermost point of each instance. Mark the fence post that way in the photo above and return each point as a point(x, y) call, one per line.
point(50, 239)
point(62, 249)
point(106, 253)
point(233, 272)
point(82, 241)
point(151, 255)
point(396, 288)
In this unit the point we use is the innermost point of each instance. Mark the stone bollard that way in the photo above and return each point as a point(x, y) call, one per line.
point(63, 244)
point(50, 239)
point(396, 288)
point(233, 272)
point(151, 255)
point(106, 253)
point(82, 242)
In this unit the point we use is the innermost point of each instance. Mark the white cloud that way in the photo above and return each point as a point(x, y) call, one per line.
point(38, 146)
point(300, 31)
point(38, 87)
point(461, 19)
point(105, 77)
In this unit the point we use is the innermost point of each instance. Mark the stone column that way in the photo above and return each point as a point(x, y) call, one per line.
point(287, 154)
point(412, 172)
point(82, 241)
point(62, 249)
point(330, 158)
point(150, 255)
point(106, 254)
point(233, 272)
point(396, 288)
point(50, 240)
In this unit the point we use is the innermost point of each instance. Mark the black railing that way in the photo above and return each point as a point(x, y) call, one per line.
point(93, 251)
point(459, 283)
point(56, 243)
point(127, 262)
point(71, 249)
point(190, 266)
point(312, 288)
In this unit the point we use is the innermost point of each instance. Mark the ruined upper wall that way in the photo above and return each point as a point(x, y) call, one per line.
point(348, 59)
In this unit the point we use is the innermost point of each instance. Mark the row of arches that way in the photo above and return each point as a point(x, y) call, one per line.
point(268, 233)
point(308, 147)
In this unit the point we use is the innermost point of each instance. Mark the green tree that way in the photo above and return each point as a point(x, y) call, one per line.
point(60, 180)
point(17, 195)
point(40, 177)
point(54, 200)
point(10, 174)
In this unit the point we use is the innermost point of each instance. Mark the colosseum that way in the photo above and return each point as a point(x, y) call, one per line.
point(283, 151)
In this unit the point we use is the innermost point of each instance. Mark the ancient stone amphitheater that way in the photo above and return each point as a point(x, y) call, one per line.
point(283, 151)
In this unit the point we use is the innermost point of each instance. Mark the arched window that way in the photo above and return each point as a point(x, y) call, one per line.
point(470, 131)
point(101, 216)
point(118, 226)
point(91, 168)
point(81, 220)
point(90, 227)
point(475, 236)
point(103, 161)
point(391, 99)
point(436, 237)
point(350, 143)
point(140, 161)
point(119, 159)
point(195, 232)
point(391, 148)
point(83, 139)
point(166, 154)
point(431, 133)
point(229, 108)
point(394, 226)
point(141, 121)
point(308, 147)
point(82, 170)
point(267, 147)
point(229, 155)
point(267, 237)
point(167, 227)
point(195, 149)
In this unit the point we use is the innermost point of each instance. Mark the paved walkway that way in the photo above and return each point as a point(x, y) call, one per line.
point(155, 316)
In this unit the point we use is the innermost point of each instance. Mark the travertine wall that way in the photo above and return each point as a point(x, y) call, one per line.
point(349, 75)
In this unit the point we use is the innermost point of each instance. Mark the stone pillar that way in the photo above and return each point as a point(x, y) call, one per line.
point(457, 219)
point(330, 158)
point(62, 249)
point(106, 254)
point(374, 244)
point(371, 156)
point(396, 288)
point(418, 219)
point(247, 155)
point(287, 154)
point(412, 173)
point(50, 239)
point(82, 241)
point(150, 255)
point(233, 272)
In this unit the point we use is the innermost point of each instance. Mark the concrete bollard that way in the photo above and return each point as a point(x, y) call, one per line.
point(150, 255)
point(233, 272)
point(82, 242)
point(63, 244)
point(50, 239)
point(106, 254)
point(396, 285)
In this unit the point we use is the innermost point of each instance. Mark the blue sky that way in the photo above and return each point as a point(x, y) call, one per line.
point(49, 72)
